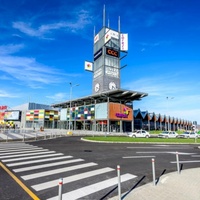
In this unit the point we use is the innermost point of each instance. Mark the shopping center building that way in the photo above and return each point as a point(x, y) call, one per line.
point(109, 108)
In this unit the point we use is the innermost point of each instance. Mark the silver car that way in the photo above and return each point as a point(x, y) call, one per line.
point(188, 135)
point(140, 134)
point(168, 134)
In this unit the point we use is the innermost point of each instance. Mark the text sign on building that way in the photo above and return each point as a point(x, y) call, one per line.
point(112, 52)
point(96, 38)
point(98, 72)
point(3, 107)
point(110, 34)
point(124, 42)
point(98, 54)
point(112, 71)
point(88, 66)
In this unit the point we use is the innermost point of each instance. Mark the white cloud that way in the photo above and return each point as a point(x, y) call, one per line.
point(185, 102)
point(82, 19)
point(5, 94)
point(27, 70)
point(58, 97)
point(10, 48)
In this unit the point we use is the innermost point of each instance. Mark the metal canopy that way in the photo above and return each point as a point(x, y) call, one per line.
point(115, 96)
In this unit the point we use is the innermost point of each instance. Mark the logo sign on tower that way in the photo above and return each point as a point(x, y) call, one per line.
point(112, 52)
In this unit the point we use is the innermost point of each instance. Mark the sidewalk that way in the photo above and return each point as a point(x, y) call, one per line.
point(173, 186)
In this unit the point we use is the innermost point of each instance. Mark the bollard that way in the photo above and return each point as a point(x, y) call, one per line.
point(45, 136)
point(153, 171)
point(60, 189)
point(35, 135)
point(119, 182)
point(23, 137)
point(7, 137)
point(177, 161)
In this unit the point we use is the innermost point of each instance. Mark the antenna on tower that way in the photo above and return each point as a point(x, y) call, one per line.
point(119, 24)
point(108, 23)
point(94, 31)
point(104, 14)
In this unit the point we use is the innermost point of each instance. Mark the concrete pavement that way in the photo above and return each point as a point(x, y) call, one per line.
point(173, 186)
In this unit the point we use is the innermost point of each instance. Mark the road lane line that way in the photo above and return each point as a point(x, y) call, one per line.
point(169, 152)
point(24, 187)
point(72, 178)
point(57, 171)
point(87, 190)
point(139, 157)
point(189, 161)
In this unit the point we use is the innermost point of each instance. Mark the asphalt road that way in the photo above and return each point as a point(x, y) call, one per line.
point(92, 167)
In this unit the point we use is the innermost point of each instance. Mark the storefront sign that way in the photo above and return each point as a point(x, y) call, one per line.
point(121, 115)
point(112, 52)
point(124, 42)
point(3, 107)
point(124, 114)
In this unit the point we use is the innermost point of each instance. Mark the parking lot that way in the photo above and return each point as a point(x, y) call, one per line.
point(99, 159)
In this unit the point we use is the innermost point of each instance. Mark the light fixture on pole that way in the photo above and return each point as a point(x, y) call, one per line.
point(168, 98)
point(70, 104)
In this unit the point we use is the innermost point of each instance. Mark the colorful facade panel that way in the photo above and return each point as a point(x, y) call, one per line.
point(119, 111)
point(41, 115)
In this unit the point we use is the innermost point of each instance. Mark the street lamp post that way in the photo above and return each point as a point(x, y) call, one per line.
point(168, 98)
point(70, 104)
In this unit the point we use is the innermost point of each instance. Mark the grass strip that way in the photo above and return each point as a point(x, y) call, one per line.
point(142, 140)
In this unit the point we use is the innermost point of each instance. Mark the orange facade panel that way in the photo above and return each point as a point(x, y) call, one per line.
point(119, 111)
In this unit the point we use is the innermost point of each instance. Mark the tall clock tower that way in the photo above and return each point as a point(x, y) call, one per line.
point(106, 69)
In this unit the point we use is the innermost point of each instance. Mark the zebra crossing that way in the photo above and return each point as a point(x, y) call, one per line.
point(41, 169)
point(28, 134)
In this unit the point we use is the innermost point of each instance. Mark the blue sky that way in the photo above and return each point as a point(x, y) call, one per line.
point(44, 44)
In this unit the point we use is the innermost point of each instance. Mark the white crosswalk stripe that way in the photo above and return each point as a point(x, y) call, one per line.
point(33, 163)
point(14, 151)
point(33, 157)
point(38, 161)
point(20, 154)
point(57, 171)
point(70, 179)
point(47, 165)
point(87, 190)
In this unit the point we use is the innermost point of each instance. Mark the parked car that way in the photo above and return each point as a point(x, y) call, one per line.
point(188, 134)
point(168, 134)
point(140, 133)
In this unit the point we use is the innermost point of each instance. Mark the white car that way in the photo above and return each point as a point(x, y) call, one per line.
point(188, 135)
point(168, 134)
point(140, 133)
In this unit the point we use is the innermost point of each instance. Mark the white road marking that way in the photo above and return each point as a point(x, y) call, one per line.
point(70, 179)
point(47, 165)
point(57, 171)
point(139, 157)
point(26, 153)
point(87, 190)
point(37, 161)
point(21, 150)
point(189, 161)
point(33, 157)
point(169, 152)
